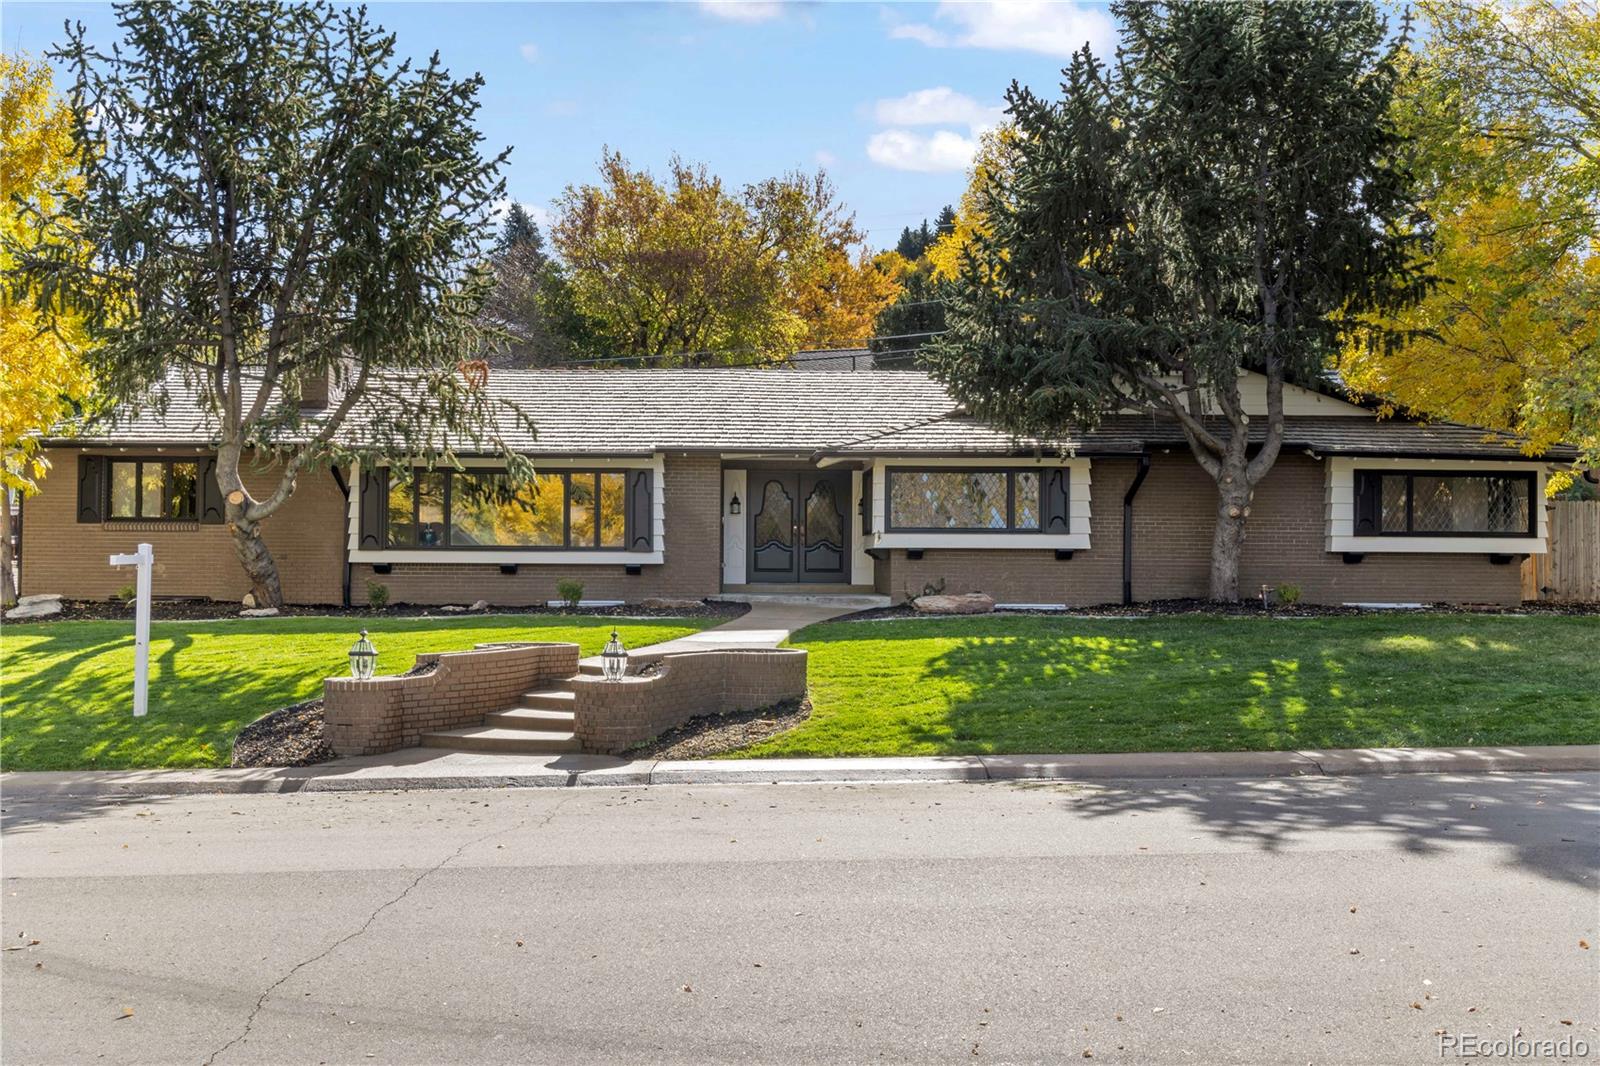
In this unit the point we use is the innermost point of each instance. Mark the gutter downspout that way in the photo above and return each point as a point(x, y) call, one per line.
point(344, 538)
point(1127, 529)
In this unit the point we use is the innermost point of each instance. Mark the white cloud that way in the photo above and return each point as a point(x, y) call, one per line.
point(561, 108)
point(743, 10)
point(1053, 27)
point(941, 150)
point(530, 52)
point(824, 157)
point(941, 106)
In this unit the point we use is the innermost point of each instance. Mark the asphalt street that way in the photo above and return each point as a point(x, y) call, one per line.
point(1214, 921)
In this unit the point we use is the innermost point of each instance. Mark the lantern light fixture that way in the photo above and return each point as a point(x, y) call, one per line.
point(614, 659)
point(734, 506)
point(363, 658)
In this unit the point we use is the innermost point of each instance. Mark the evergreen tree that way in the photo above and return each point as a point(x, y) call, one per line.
point(520, 232)
point(1229, 196)
point(909, 246)
point(947, 221)
point(269, 199)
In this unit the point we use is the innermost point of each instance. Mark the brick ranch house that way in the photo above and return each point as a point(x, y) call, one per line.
point(695, 483)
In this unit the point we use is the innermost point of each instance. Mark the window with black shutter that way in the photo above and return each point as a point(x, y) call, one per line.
point(1443, 503)
point(123, 488)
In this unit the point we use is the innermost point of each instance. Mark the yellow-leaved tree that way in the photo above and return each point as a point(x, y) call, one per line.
point(42, 376)
point(991, 161)
point(1503, 103)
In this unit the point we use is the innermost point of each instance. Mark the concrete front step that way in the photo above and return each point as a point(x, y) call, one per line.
point(550, 700)
point(531, 718)
point(504, 741)
point(855, 601)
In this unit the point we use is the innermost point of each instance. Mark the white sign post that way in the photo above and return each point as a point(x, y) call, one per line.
point(143, 559)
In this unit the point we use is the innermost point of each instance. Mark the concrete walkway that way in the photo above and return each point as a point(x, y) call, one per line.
point(422, 768)
point(767, 624)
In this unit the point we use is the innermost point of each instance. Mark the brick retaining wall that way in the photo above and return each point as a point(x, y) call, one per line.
point(611, 716)
point(392, 712)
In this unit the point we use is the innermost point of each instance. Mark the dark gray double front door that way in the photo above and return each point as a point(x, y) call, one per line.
point(799, 525)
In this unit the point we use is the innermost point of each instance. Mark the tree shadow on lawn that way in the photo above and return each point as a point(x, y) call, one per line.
point(68, 687)
point(1547, 821)
point(1075, 685)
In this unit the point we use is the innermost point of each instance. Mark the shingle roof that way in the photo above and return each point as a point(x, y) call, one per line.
point(627, 412)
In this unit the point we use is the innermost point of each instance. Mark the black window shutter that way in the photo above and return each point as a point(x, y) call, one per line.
point(641, 515)
point(1057, 501)
point(374, 507)
point(212, 509)
point(91, 488)
point(866, 501)
point(1369, 502)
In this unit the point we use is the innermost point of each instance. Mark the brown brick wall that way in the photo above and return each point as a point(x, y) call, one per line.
point(61, 555)
point(1287, 542)
point(1173, 518)
point(693, 566)
point(387, 713)
point(611, 716)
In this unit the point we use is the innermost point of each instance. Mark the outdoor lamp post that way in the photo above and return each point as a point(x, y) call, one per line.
point(734, 506)
point(363, 657)
point(614, 659)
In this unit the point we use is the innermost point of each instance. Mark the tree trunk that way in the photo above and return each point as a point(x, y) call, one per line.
point(8, 587)
point(1227, 540)
point(257, 561)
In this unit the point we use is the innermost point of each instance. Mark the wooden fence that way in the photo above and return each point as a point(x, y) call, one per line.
point(1571, 570)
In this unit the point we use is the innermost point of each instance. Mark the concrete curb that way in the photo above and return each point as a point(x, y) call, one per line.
point(418, 769)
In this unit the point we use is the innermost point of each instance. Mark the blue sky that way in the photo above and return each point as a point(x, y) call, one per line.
point(887, 97)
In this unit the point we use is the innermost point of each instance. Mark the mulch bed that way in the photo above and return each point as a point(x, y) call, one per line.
point(713, 734)
point(1242, 609)
point(209, 610)
point(290, 736)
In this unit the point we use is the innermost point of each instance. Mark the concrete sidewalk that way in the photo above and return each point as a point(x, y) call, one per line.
point(421, 768)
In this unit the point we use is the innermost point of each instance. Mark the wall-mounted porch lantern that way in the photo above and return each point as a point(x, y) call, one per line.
point(363, 658)
point(734, 506)
point(614, 659)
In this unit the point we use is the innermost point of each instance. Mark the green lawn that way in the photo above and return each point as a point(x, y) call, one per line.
point(66, 687)
point(1035, 685)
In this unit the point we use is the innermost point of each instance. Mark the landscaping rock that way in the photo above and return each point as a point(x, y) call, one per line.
point(669, 603)
point(38, 608)
point(479, 605)
point(39, 597)
point(965, 603)
point(249, 599)
point(452, 608)
point(258, 612)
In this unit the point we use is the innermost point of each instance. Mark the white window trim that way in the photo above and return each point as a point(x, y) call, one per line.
point(1340, 508)
point(1078, 493)
point(517, 556)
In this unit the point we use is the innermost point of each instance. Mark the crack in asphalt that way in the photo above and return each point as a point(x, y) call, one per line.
point(261, 1000)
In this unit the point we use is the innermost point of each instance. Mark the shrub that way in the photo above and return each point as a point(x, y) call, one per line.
point(1288, 594)
point(126, 593)
point(377, 593)
point(570, 593)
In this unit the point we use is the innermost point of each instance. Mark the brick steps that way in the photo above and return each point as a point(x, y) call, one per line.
point(541, 725)
point(550, 701)
point(536, 718)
